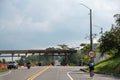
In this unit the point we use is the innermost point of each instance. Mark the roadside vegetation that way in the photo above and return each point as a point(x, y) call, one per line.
point(109, 66)
point(3, 70)
point(110, 45)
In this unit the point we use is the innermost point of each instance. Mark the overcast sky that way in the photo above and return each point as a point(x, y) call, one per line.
point(36, 24)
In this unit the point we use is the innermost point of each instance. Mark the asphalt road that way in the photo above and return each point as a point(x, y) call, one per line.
point(57, 73)
point(20, 74)
point(52, 73)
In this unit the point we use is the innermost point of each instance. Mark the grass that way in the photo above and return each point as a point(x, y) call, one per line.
point(3, 69)
point(109, 66)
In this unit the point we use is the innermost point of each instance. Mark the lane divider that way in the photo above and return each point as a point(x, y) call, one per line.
point(38, 74)
point(68, 74)
point(5, 73)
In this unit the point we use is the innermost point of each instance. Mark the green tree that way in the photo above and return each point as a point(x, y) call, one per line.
point(21, 61)
point(110, 40)
point(85, 47)
point(117, 19)
point(84, 52)
point(71, 58)
point(63, 46)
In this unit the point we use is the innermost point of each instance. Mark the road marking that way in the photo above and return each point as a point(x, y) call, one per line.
point(5, 73)
point(38, 74)
point(68, 74)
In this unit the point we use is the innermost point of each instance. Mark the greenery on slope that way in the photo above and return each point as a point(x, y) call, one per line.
point(110, 44)
point(109, 66)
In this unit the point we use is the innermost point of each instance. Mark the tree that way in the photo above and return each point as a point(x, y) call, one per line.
point(117, 18)
point(84, 52)
point(21, 61)
point(63, 46)
point(110, 40)
point(71, 58)
point(85, 47)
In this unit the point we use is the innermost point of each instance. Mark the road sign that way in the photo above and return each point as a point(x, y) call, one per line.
point(92, 54)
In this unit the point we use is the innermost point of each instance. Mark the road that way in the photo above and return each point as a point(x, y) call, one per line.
point(52, 73)
point(20, 74)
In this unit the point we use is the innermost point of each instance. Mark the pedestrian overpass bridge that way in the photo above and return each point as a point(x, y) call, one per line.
point(47, 52)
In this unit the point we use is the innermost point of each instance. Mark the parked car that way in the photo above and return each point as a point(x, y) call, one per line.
point(12, 65)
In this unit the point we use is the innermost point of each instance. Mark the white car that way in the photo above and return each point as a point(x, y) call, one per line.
point(12, 64)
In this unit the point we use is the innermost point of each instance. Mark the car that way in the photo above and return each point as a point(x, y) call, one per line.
point(12, 65)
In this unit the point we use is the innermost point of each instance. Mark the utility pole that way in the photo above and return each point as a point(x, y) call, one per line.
point(91, 40)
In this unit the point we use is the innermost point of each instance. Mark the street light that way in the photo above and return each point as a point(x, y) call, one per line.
point(91, 41)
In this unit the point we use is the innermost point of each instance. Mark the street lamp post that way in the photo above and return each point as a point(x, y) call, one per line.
point(91, 44)
point(91, 53)
point(91, 40)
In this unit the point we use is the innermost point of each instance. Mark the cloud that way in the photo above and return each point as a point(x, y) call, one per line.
point(42, 23)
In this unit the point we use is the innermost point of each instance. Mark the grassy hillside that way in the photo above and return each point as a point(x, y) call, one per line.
point(109, 66)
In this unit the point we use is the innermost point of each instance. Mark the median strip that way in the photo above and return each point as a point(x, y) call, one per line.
point(38, 74)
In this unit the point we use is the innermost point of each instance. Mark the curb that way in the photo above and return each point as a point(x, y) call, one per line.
point(115, 75)
point(83, 70)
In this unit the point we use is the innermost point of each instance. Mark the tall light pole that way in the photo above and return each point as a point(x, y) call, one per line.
point(91, 40)
point(91, 53)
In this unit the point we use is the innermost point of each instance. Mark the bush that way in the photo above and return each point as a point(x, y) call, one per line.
point(3, 69)
point(72, 64)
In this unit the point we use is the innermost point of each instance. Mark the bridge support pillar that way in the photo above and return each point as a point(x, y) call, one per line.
point(12, 56)
point(66, 59)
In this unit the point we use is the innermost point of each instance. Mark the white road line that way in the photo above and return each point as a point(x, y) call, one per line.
point(69, 76)
point(5, 73)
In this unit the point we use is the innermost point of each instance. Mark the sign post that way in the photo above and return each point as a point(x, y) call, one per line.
point(92, 54)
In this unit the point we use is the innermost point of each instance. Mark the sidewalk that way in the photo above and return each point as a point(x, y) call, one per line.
point(80, 75)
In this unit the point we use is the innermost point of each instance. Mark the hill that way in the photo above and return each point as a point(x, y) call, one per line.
point(109, 66)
